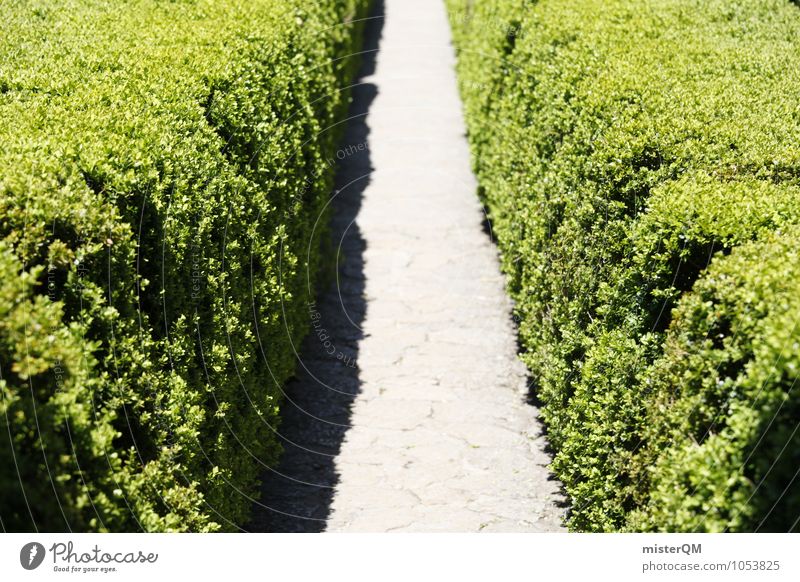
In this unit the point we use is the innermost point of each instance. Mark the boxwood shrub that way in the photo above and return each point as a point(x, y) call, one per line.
point(162, 165)
point(641, 167)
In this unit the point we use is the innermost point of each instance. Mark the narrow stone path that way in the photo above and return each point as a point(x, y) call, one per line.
point(409, 412)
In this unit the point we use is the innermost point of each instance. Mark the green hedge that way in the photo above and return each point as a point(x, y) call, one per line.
point(162, 165)
point(641, 165)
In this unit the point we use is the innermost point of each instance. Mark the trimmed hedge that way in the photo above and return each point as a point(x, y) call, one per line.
point(641, 166)
point(162, 165)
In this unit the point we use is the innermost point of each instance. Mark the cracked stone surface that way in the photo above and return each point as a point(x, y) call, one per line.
point(410, 411)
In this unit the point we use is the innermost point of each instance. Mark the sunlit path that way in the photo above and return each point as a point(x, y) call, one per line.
point(410, 414)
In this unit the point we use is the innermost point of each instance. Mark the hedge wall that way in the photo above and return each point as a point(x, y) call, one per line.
point(641, 165)
point(162, 165)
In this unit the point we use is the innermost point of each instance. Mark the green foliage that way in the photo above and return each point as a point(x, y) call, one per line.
point(162, 166)
point(723, 447)
point(628, 151)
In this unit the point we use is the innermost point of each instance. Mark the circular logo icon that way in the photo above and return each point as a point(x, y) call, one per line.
point(31, 555)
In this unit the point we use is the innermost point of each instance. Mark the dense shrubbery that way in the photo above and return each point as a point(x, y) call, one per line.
point(641, 164)
point(162, 165)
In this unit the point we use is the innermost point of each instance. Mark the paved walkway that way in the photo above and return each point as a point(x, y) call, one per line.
point(410, 411)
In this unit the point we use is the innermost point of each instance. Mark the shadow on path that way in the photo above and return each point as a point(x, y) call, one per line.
point(297, 495)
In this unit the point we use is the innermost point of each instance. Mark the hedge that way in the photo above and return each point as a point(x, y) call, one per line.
point(640, 163)
point(162, 165)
